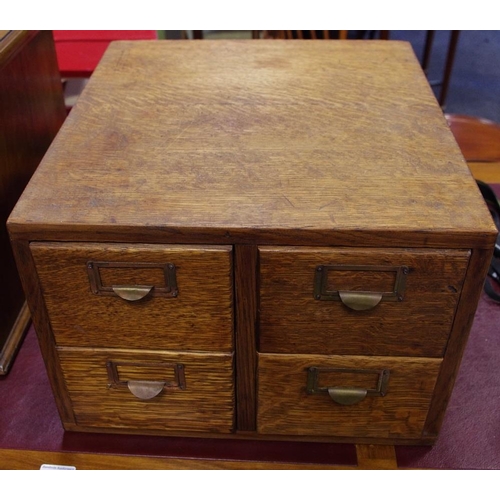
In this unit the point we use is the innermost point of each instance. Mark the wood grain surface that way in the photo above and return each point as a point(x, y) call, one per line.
point(256, 141)
point(486, 172)
point(376, 457)
point(41, 321)
point(199, 318)
point(246, 305)
point(14, 340)
point(13, 41)
point(32, 460)
point(205, 405)
point(478, 138)
point(286, 408)
point(293, 321)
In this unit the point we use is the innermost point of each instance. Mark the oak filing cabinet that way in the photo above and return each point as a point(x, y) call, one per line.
point(266, 239)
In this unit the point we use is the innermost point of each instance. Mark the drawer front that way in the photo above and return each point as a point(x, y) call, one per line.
point(354, 396)
point(146, 390)
point(93, 295)
point(393, 302)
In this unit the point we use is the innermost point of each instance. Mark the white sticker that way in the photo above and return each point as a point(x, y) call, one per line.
point(57, 467)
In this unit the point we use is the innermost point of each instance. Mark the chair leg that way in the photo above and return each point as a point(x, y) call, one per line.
point(429, 40)
point(449, 65)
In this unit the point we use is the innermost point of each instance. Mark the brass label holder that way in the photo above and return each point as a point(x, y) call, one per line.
point(360, 300)
point(132, 292)
point(146, 389)
point(347, 395)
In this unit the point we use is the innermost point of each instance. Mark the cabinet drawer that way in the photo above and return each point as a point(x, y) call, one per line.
point(294, 396)
point(150, 390)
point(90, 291)
point(310, 300)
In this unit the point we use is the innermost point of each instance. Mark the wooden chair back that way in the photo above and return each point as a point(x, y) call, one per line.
point(479, 141)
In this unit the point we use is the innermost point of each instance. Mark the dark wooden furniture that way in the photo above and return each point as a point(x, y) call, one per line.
point(31, 112)
point(253, 240)
point(315, 34)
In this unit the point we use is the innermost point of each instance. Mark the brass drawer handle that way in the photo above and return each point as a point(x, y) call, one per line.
point(171, 377)
point(166, 287)
point(347, 395)
point(132, 293)
point(325, 288)
point(360, 301)
point(145, 390)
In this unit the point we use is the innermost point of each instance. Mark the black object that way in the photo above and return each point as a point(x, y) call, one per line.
point(494, 270)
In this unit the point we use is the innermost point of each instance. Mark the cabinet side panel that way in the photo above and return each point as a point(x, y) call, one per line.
point(472, 290)
point(41, 322)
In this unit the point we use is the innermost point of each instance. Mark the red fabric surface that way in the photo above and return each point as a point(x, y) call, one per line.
point(86, 35)
point(79, 52)
point(79, 59)
point(470, 437)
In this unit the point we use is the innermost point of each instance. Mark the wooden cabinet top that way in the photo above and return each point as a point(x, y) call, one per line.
point(280, 141)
